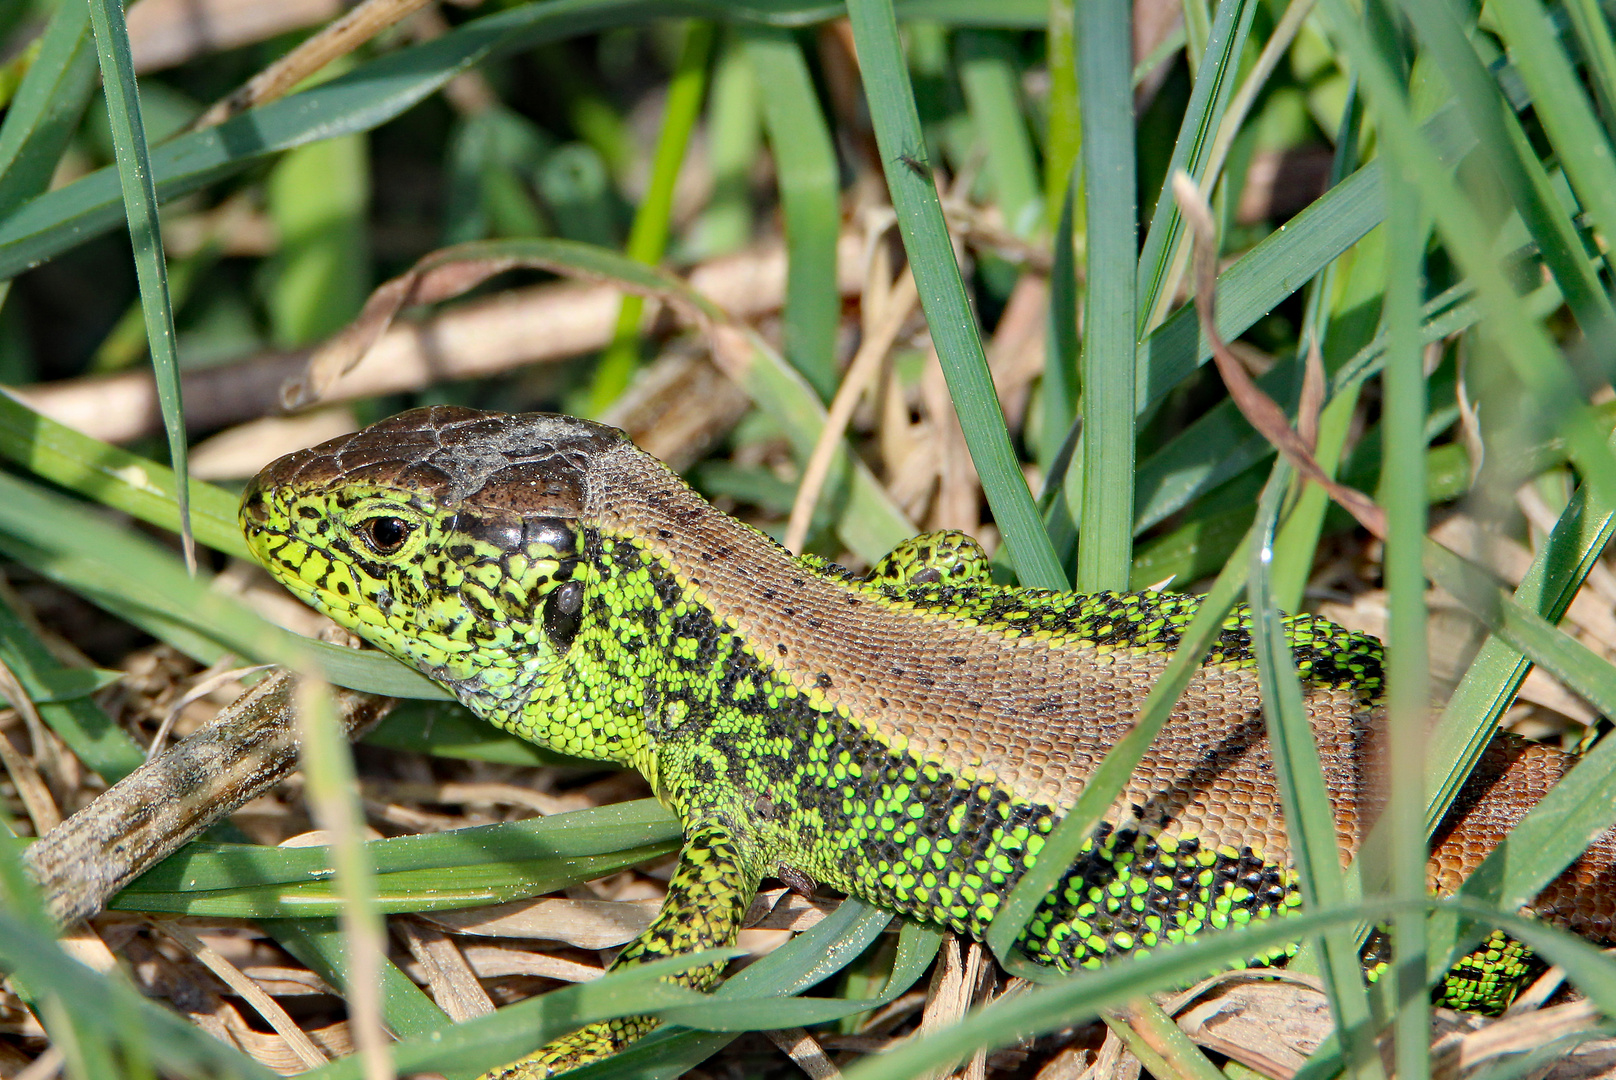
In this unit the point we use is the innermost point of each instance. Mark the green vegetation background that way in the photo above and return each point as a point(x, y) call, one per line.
point(1451, 276)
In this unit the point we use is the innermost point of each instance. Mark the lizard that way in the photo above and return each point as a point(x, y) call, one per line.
point(909, 737)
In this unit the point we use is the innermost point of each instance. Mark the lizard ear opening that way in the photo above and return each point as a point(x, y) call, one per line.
point(563, 613)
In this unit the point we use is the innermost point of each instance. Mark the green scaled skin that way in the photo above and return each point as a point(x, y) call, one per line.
point(578, 630)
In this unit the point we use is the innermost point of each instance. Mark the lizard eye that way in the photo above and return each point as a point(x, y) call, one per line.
point(563, 612)
point(385, 535)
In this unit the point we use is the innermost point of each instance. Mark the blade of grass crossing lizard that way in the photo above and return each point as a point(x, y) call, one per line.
point(1105, 543)
point(1309, 820)
point(1407, 664)
point(942, 292)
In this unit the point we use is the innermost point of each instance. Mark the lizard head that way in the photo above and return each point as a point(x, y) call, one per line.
point(447, 537)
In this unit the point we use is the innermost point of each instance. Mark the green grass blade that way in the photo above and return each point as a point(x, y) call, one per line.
point(734, 135)
point(1523, 176)
point(1327, 304)
point(648, 237)
point(1105, 64)
point(1197, 32)
point(1060, 386)
point(517, 1030)
point(151, 267)
point(1551, 648)
point(47, 108)
point(493, 881)
point(318, 198)
point(1599, 50)
point(942, 293)
point(108, 1007)
point(1285, 259)
point(114, 477)
point(1309, 819)
point(1407, 663)
point(95, 739)
point(1209, 534)
point(988, 75)
point(1064, 137)
point(810, 202)
point(1215, 76)
point(801, 962)
point(834, 949)
point(450, 870)
point(1582, 145)
point(606, 830)
point(1520, 337)
point(1220, 445)
point(320, 945)
point(444, 729)
point(1473, 712)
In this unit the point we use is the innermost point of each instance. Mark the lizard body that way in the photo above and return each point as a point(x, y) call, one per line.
point(908, 738)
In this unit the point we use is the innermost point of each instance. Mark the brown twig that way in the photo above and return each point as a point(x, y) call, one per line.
point(148, 814)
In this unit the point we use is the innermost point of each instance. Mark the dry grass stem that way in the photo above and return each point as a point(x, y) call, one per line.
point(860, 375)
point(165, 33)
point(448, 975)
point(339, 38)
point(480, 338)
point(363, 931)
point(805, 1050)
point(254, 995)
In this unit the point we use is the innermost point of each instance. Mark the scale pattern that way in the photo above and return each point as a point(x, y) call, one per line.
point(909, 738)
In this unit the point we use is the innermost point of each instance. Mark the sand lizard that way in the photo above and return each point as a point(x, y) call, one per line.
point(908, 737)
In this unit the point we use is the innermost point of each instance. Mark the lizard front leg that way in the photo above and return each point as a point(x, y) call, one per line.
point(707, 897)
